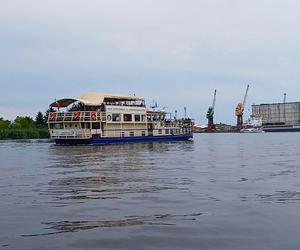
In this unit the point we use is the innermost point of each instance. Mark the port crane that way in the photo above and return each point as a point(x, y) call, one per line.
point(239, 110)
point(210, 115)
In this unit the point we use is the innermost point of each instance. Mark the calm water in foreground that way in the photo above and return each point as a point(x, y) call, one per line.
point(220, 191)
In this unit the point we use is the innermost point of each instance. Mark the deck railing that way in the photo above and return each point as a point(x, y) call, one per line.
point(76, 116)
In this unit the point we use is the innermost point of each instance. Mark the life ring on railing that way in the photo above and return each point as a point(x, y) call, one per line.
point(108, 118)
point(76, 115)
point(93, 116)
point(52, 116)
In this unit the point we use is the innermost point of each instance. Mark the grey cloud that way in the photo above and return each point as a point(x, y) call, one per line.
point(177, 52)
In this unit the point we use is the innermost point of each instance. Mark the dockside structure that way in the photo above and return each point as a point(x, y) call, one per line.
point(278, 113)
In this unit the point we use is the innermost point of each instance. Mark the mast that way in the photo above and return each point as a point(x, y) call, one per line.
point(284, 110)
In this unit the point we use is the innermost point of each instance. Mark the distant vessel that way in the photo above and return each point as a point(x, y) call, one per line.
point(252, 130)
point(257, 122)
point(97, 118)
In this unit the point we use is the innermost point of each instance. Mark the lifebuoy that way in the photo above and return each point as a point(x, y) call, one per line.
point(94, 116)
point(52, 116)
point(76, 115)
point(108, 117)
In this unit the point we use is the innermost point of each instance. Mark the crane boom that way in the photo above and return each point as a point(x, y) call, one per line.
point(214, 101)
point(246, 95)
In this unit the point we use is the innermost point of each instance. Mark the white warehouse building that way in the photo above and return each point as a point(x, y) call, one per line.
point(278, 113)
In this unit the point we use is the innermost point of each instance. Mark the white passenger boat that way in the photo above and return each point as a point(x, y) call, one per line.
point(97, 118)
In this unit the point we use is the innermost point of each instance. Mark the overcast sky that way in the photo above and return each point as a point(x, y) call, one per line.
point(176, 52)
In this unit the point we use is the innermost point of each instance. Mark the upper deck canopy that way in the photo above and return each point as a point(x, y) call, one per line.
point(94, 99)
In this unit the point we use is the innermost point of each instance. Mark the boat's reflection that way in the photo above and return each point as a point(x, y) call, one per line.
point(106, 172)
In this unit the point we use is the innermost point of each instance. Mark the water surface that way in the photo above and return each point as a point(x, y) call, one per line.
point(220, 191)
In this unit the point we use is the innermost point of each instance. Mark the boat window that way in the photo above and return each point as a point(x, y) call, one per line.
point(167, 131)
point(95, 125)
point(143, 118)
point(137, 118)
point(56, 125)
point(127, 117)
point(131, 133)
point(143, 133)
point(159, 131)
point(116, 117)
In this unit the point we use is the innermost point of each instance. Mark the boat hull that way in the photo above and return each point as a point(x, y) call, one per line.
point(112, 140)
point(283, 128)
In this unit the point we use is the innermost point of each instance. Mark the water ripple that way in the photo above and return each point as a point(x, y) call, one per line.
point(75, 226)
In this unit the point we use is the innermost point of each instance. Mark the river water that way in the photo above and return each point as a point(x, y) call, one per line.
point(219, 191)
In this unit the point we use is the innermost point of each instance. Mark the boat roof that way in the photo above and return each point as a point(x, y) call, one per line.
point(275, 103)
point(156, 112)
point(94, 99)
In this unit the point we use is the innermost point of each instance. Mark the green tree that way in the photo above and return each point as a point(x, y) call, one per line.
point(23, 123)
point(4, 124)
point(39, 120)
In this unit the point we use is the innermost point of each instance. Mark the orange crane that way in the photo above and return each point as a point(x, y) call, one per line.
point(239, 110)
point(210, 115)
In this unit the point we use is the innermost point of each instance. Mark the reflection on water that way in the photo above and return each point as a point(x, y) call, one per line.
point(216, 192)
point(281, 197)
point(106, 172)
point(74, 226)
point(95, 188)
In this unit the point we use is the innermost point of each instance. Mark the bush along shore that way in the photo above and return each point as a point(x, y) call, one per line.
point(25, 127)
point(7, 134)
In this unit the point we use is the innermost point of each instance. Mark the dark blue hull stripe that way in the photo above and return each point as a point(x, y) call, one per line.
point(281, 129)
point(98, 140)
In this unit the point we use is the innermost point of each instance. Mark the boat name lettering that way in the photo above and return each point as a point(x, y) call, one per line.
point(125, 109)
point(66, 132)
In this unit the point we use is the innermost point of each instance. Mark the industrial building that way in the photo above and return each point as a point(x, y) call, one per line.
point(278, 113)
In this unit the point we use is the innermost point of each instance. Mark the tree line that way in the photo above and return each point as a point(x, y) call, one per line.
point(25, 127)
